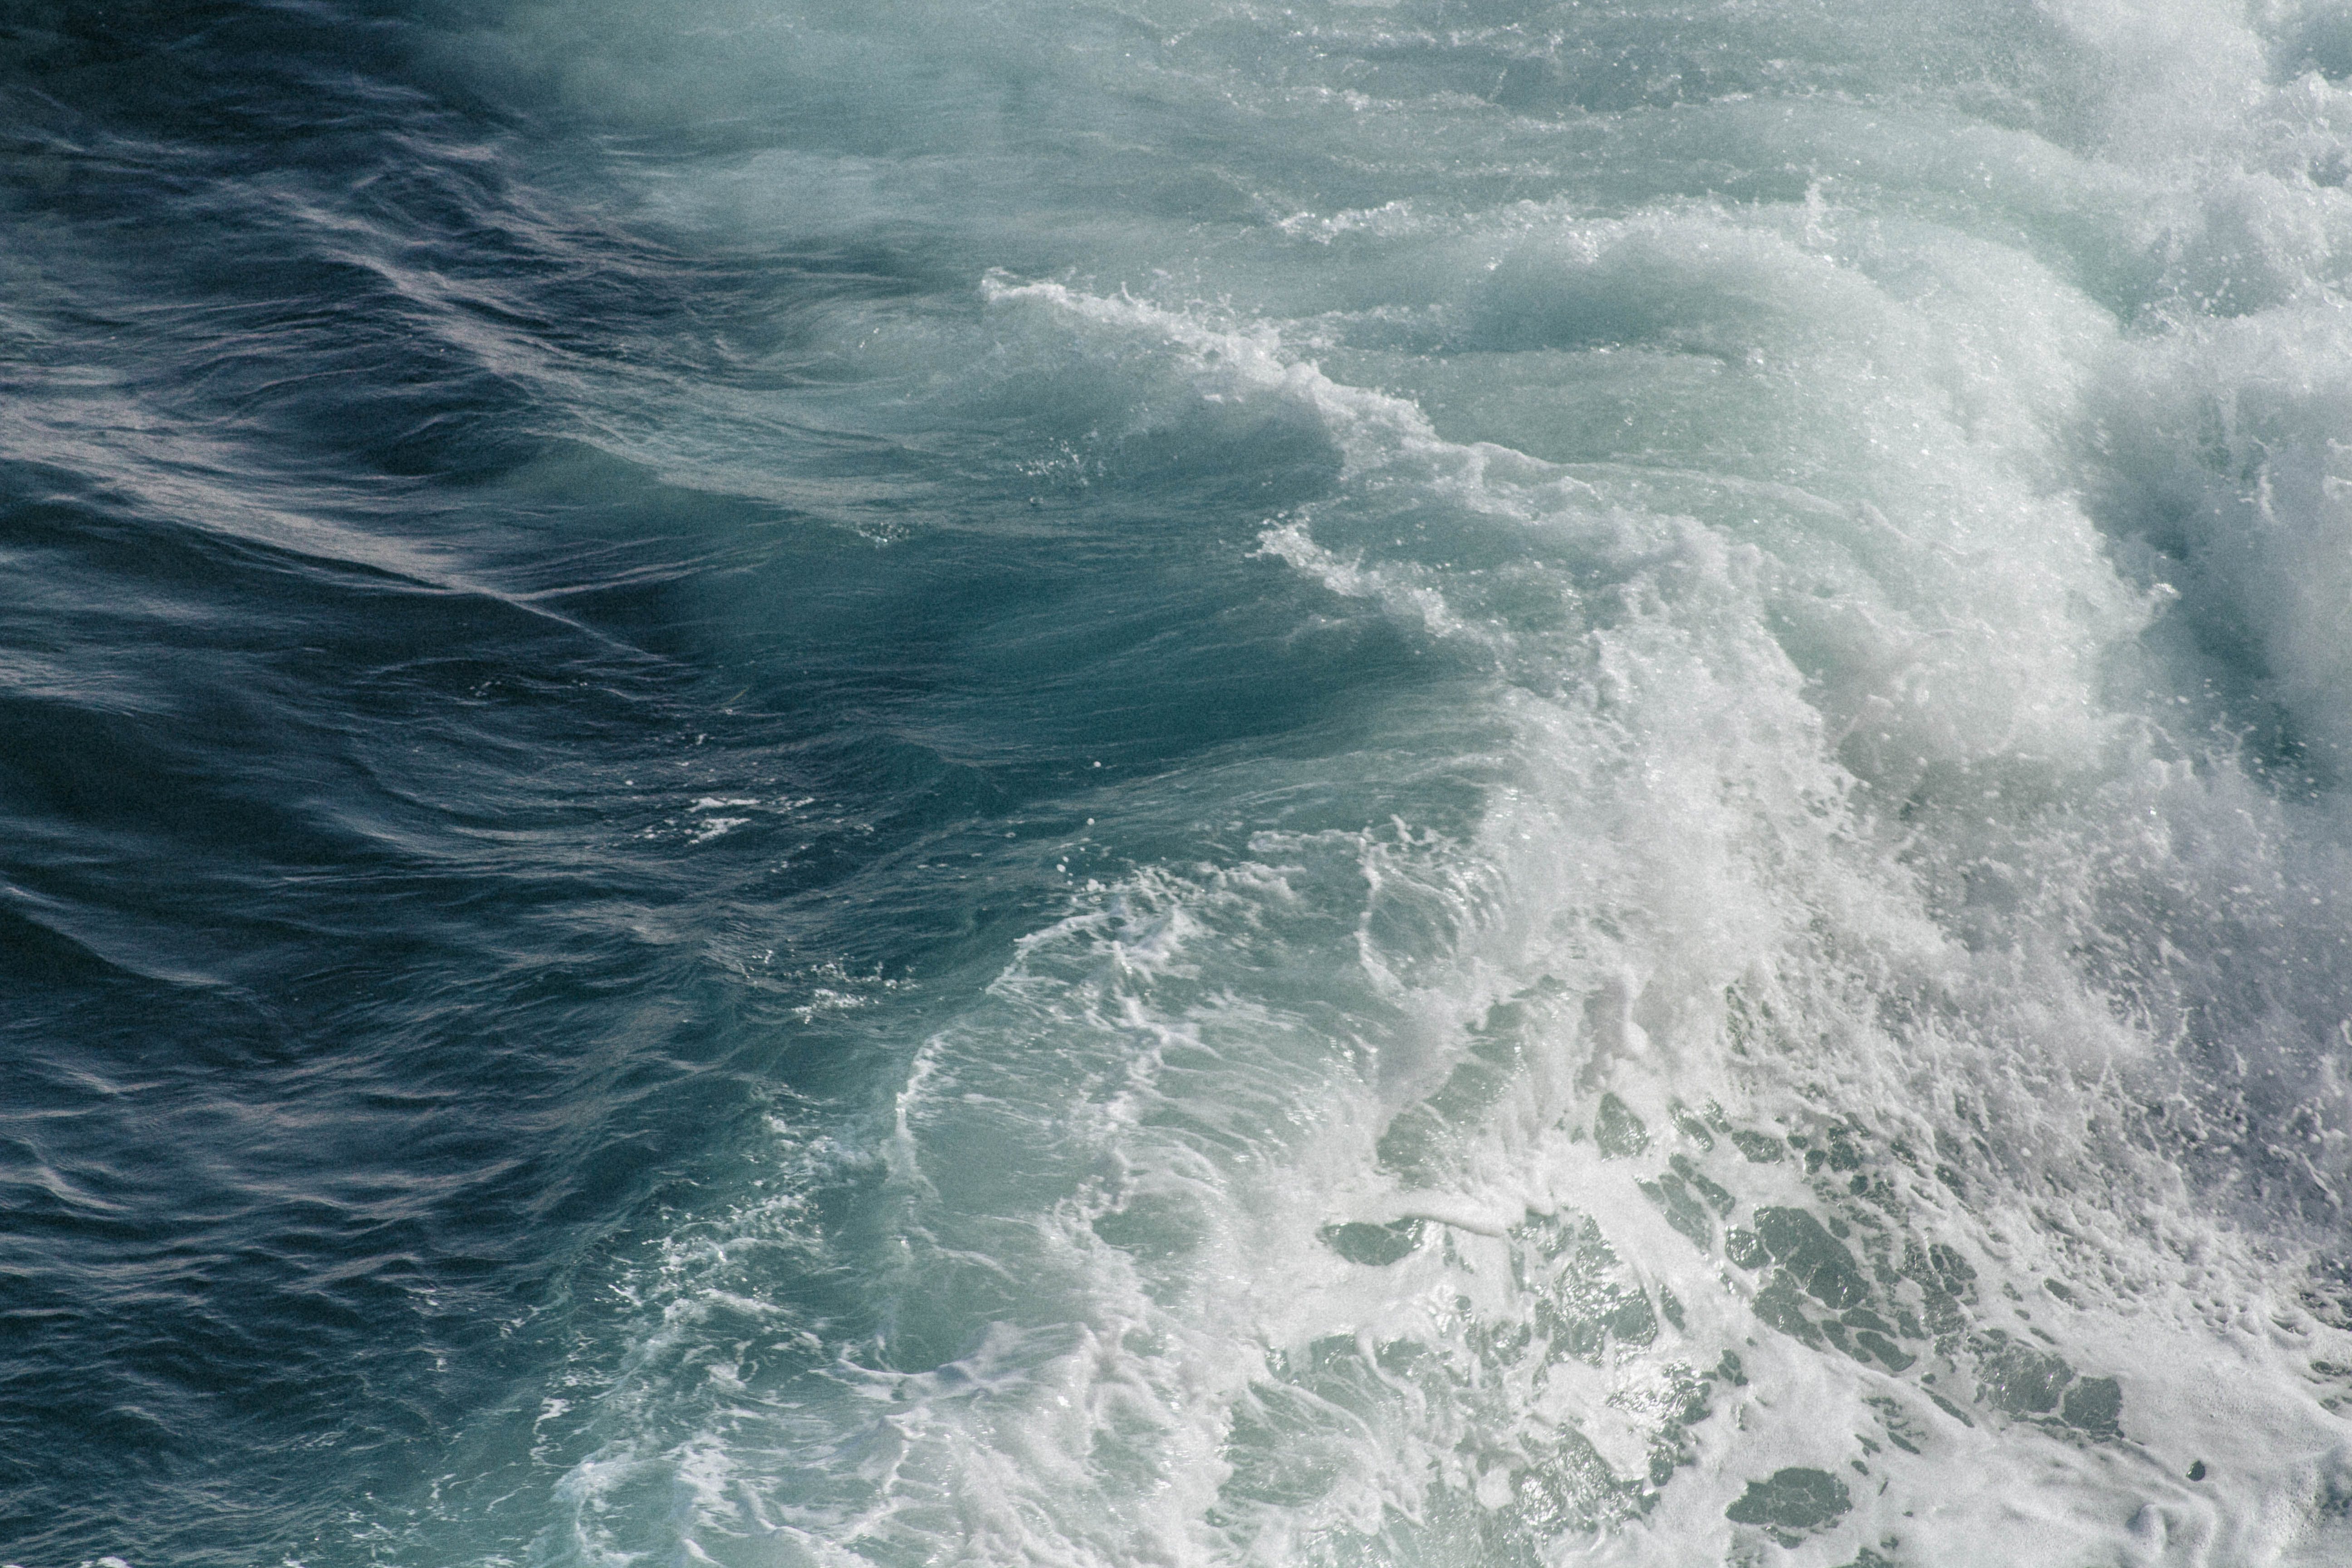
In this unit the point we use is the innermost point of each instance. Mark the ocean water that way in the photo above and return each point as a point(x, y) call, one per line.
point(1151, 783)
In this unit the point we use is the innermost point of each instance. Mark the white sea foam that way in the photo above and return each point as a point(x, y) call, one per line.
point(1894, 629)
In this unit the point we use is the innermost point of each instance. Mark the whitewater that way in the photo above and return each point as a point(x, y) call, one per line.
point(1382, 784)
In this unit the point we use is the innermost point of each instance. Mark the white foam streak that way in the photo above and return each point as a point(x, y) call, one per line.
point(1852, 841)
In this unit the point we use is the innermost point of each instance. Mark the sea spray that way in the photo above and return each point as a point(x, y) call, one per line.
point(1359, 783)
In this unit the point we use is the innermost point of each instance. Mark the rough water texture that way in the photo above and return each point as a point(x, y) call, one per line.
point(1387, 784)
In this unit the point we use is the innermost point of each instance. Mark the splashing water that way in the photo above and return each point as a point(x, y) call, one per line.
point(1578, 775)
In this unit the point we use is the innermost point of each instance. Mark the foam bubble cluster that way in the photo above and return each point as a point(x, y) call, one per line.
point(1812, 1029)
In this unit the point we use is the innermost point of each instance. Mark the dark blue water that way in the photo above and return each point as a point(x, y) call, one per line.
point(804, 785)
point(372, 977)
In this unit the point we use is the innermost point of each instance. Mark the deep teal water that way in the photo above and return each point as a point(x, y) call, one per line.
point(1423, 782)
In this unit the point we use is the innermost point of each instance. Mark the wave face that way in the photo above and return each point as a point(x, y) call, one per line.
point(1371, 784)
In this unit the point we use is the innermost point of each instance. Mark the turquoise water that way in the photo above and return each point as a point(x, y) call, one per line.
point(1406, 784)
